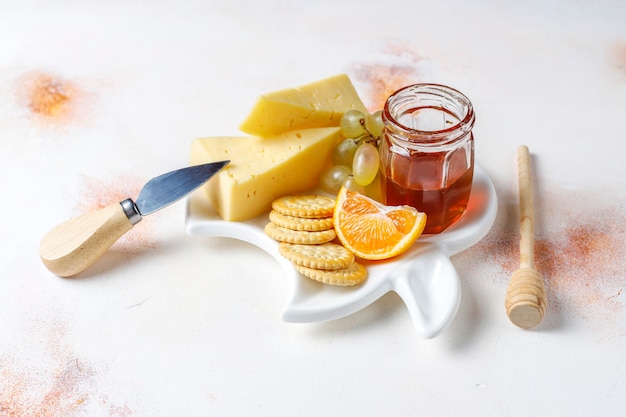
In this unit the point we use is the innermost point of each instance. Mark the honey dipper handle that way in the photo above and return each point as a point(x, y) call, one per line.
point(526, 204)
point(525, 300)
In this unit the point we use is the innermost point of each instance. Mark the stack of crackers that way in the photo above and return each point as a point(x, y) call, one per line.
point(303, 224)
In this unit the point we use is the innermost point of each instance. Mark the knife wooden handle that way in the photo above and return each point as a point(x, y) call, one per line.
point(71, 247)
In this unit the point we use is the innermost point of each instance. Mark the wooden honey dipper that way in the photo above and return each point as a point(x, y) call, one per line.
point(525, 301)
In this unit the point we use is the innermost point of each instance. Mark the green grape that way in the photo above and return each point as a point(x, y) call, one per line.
point(333, 178)
point(352, 185)
point(344, 152)
point(365, 164)
point(376, 124)
point(350, 124)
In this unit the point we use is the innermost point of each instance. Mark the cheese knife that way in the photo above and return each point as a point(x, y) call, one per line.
point(73, 246)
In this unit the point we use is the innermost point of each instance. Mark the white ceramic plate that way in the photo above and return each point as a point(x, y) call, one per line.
point(424, 277)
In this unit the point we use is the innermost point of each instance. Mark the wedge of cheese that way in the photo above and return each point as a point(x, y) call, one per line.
point(319, 104)
point(262, 170)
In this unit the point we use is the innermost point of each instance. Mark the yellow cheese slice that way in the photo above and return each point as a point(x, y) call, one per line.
point(319, 104)
point(262, 170)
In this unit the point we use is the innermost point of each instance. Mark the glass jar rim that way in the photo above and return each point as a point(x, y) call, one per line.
point(465, 123)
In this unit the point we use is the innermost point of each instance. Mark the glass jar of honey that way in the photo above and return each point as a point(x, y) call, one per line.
point(427, 152)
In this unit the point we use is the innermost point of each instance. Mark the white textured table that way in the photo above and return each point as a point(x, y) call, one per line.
point(96, 98)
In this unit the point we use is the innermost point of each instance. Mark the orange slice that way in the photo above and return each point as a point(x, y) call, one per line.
point(372, 230)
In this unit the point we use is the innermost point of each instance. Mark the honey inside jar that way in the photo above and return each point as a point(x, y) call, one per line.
point(427, 152)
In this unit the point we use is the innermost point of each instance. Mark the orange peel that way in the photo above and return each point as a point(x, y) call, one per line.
point(372, 230)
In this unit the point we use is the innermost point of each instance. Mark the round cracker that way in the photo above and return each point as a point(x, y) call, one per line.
point(301, 223)
point(352, 275)
point(308, 206)
point(282, 234)
point(327, 256)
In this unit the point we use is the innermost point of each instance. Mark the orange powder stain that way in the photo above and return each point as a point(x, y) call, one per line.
point(63, 394)
point(618, 57)
point(49, 97)
point(583, 261)
point(382, 80)
point(67, 389)
point(68, 392)
point(97, 195)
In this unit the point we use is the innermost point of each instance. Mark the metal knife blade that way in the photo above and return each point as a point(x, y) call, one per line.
point(165, 189)
point(71, 247)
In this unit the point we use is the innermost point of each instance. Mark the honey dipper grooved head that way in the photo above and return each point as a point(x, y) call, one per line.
point(525, 301)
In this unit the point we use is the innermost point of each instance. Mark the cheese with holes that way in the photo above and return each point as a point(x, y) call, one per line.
point(319, 104)
point(263, 169)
